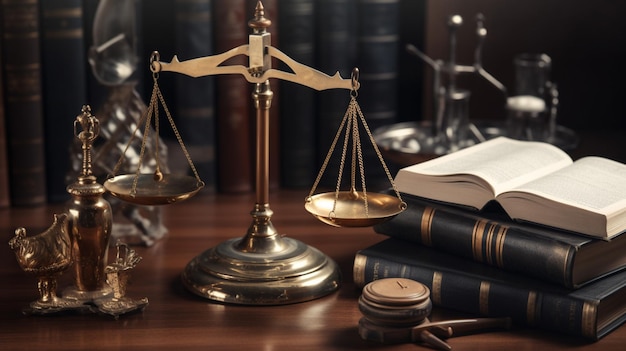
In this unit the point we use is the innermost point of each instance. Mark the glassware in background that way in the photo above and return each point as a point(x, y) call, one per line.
point(532, 74)
point(113, 59)
point(531, 110)
point(456, 119)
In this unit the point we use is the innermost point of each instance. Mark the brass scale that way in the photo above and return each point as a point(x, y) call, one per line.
point(263, 267)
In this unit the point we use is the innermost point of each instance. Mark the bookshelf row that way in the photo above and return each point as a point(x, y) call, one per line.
point(47, 78)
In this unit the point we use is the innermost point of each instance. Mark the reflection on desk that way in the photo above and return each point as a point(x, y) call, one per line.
point(176, 318)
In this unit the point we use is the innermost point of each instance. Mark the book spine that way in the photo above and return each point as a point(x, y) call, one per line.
point(64, 89)
point(471, 294)
point(298, 104)
point(195, 97)
point(23, 101)
point(5, 196)
point(234, 103)
point(413, 79)
point(378, 40)
point(336, 52)
point(483, 240)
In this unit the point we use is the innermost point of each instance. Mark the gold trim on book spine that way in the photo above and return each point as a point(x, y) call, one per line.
point(588, 321)
point(64, 13)
point(64, 34)
point(358, 273)
point(531, 308)
point(426, 225)
point(403, 271)
point(489, 241)
point(23, 2)
point(500, 245)
point(477, 240)
point(483, 303)
point(435, 294)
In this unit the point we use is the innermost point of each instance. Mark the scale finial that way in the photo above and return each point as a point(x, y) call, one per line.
point(259, 23)
point(90, 128)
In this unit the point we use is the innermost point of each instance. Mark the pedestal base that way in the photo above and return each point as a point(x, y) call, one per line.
point(85, 296)
point(80, 301)
point(227, 274)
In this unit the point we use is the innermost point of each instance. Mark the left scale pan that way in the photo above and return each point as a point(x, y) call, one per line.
point(156, 188)
point(149, 190)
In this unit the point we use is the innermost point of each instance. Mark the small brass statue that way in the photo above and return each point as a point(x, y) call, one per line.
point(79, 237)
point(89, 217)
point(117, 276)
point(46, 255)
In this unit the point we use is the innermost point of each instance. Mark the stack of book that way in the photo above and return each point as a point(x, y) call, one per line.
point(512, 228)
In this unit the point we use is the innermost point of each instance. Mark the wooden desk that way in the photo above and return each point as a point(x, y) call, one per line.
point(177, 320)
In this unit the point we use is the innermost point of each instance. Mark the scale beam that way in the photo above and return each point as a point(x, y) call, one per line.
point(210, 65)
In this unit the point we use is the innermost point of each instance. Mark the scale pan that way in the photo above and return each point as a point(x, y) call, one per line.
point(149, 191)
point(350, 208)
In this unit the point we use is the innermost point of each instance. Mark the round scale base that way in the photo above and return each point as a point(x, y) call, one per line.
point(228, 274)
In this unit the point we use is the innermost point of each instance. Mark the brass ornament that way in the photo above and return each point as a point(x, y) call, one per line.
point(47, 256)
point(79, 237)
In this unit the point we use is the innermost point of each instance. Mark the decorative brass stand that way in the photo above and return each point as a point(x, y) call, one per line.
point(79, 237)
point(89, 218)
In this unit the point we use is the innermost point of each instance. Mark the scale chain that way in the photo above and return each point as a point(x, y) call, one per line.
point(153, 110)
point(350, 123)
point(380, 156)
point(328, 155)
point(178, 137)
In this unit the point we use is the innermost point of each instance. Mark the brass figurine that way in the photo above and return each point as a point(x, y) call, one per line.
point(117, 276)
point(79, 237)
point(46, 255)
point(89, 217)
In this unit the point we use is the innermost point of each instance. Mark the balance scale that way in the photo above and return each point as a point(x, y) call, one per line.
point(263, 267)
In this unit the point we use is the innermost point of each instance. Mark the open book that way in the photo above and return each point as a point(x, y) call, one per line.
point(533, 181)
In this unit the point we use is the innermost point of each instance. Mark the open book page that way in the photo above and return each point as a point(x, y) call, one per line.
point(593, 184)
point(497, 165)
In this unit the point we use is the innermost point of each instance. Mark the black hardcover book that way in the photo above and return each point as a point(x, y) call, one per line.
point(297, 105)
point(64, 86)
point(336, 52)
point(459, 284)
point(23, 101)
point(377, 60)
point(492, 238)
point(5, 196)
point(195, 97)
point(235, 156)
